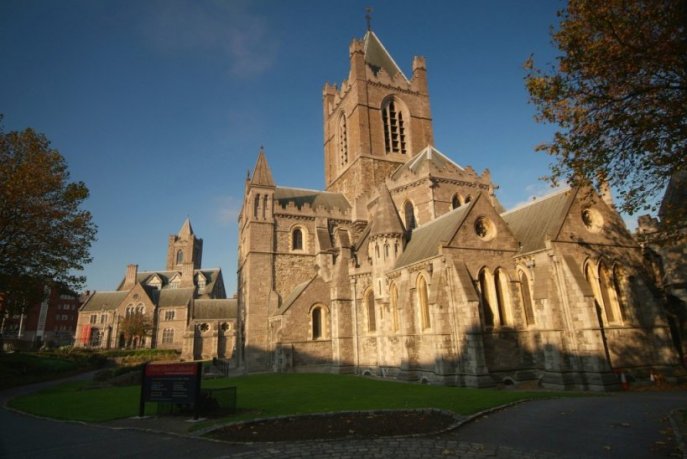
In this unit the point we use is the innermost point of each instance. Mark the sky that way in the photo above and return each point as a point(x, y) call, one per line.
point(161, 106)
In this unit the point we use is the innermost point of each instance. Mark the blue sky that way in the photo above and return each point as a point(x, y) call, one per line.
point(160, 107)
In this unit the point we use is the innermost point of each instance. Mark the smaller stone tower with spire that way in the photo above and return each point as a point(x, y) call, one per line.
point(183, 248)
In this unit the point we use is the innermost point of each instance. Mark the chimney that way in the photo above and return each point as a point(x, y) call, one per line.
point(130, 279)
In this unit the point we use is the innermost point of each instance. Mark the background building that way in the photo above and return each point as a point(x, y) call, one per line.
point(183, 307)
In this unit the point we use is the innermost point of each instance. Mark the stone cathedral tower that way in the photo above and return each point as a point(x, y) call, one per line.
point(362, 148)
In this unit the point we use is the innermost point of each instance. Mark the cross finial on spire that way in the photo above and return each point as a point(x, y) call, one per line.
point(368, 17)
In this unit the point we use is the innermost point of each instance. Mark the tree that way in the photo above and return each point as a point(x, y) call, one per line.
point(618, 94)
point(134, 326)
point(45, 237)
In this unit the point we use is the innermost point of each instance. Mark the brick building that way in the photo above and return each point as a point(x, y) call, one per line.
point(185, 306)
point(407, 266)
point(52, 321)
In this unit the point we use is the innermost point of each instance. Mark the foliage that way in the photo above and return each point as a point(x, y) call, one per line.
point(45, 237)
point(135, 325)
point(268, 395)
point(20, 368)
point(618, 94)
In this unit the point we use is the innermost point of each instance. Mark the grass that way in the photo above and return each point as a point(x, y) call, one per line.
point(269, 395)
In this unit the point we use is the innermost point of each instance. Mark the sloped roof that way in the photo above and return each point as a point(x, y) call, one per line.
point(315, 198)
point(293, 296)
point(215, 309)
point(262, 175)
point(534, 222)
point(377, 57)
point(211, 276)
point(386, 219)
point(175, 296)
point(425, 240)
point(186, 228)
point(431, 155)
point(100, 301)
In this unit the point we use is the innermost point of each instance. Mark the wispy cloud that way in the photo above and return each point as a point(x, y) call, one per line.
point(224, 28)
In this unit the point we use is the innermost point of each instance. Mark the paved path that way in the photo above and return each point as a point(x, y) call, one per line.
point(620, 426)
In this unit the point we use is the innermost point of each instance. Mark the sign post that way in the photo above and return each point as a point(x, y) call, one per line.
point(177, 383)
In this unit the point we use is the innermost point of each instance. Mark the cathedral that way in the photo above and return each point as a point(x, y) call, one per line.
point(407, 266)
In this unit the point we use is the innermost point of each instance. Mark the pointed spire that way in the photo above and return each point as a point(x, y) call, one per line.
point(262, 175)
point(386, 219)
point(376, 56)
point(186, 229)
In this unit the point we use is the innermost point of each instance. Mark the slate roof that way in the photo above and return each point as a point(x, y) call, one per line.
point(293, 296)
point(377, 57)
point(215, 309)
point(425, 239)
point(315, 198)
point(386, 220)
point(534, 222)
point(211, 276)
point(186, 228)
point(431, 155)
point(173, 296)
point(262, 175)
point(104, 301)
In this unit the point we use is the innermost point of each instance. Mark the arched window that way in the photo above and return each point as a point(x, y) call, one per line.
point(455, 201)
point(317, 323)
point(264, 207)
point(409, 212)
point(370, 306)
point(606, 292)
point(526, 297)
point(394, 127)
point(502, 297)
point(256, 206)
point(180, 256)
point(297, 239)
point(487, 299)
point(393, 304)
point(343, 141)
point(620, 282)
point(423, 302)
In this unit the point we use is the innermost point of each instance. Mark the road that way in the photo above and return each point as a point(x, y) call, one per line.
point(628, 425)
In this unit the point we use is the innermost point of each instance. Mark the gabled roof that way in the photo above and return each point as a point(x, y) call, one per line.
point(386, 219)
point(377, 57)
point(104, 301)
point(215, 309)
point(262, 175)
point(539, 220)
point(425, 240)
point(431, 155)
point(144, 277)
point(314, 198)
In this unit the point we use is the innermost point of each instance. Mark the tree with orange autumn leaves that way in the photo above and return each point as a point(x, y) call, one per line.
point(45, 236)
point(618, 95)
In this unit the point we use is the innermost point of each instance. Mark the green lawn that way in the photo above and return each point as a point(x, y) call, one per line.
point(268, 395)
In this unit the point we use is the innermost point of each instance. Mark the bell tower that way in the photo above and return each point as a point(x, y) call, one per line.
point(375, 121)
point(184, 247)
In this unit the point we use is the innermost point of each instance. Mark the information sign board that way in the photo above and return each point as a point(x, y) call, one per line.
point(171, 383)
